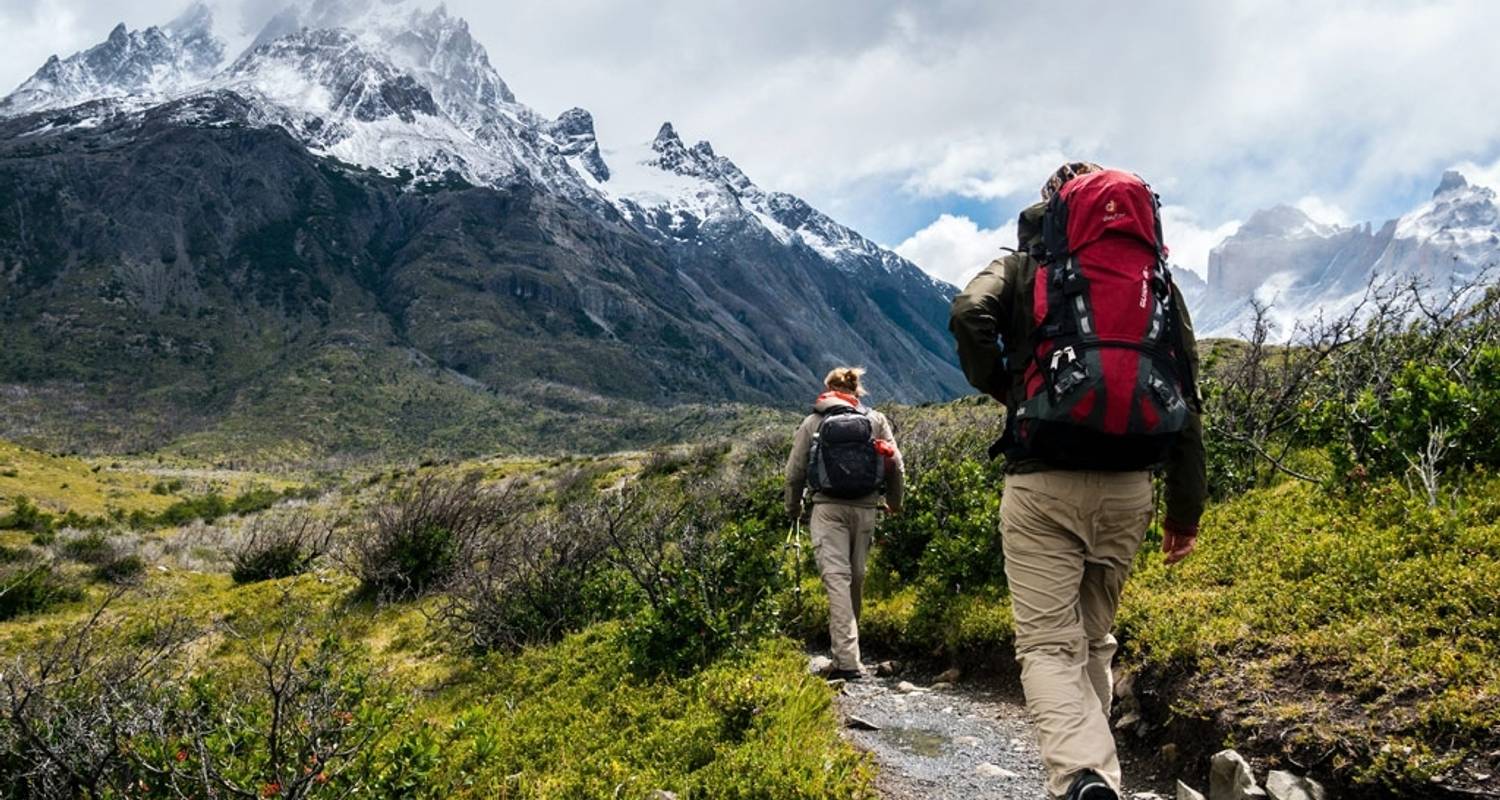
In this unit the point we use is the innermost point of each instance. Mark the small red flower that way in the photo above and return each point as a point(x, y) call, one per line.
point(271, 789)
point(181, 755)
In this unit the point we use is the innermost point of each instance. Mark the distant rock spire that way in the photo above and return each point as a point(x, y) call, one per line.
point(1452, 181)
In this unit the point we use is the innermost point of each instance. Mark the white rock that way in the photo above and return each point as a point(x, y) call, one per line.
point(941, 686)
point(820, 665)
point(906, 687)
point(988, 770)
point(1230, 778)
point(1283, 785)
point(1128, 720)
point(1186, 792)
point(967, 741)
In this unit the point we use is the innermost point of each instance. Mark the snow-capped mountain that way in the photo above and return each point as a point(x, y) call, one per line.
point(403, 89)
point(1301, 268)
point(357, 168)
point(154, 63)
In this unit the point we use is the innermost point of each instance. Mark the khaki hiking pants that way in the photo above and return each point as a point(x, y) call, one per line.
point(841, 541)
point(1070, 538)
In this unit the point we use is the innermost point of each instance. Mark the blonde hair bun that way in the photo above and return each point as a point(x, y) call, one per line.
point(845, 379)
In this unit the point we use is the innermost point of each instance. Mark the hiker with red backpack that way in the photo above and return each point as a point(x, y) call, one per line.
point(1084, 337)
point(846, 454)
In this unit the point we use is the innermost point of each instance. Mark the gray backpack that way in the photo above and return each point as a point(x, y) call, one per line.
point(843, 461)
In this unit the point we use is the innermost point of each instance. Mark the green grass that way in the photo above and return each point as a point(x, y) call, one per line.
point(1346, 622)
point(65, 483)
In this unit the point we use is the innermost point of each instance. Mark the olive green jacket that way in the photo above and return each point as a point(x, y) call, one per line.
point(993, 331)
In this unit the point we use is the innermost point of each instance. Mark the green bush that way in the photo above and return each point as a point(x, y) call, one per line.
point(708, 584)
point(279, 547)
point(121, 570)
point(91, 548)
point(25, 516)
point(948, 532)
point(30, 586)
point(414, 542)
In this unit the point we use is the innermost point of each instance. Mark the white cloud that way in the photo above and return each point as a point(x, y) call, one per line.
point(955, 248)
point(1190, 240)
point(1322, 211)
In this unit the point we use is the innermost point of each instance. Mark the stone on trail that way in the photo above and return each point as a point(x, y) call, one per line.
point(820, 665)
point(988, 770)
point(885, 669)
point(860, 724)
point(967, 741)
point(1230, 778)
point(907, 687)
point(949, 675)
point(1186, 792)
point(1283, 785)
point(941, 686)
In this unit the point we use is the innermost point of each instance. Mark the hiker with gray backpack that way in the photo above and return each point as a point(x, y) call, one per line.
point(1084, 337)
point(845, 455)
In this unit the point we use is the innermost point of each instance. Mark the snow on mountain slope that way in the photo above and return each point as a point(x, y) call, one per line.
point(406, 90)
point(156, 63)
point(1302, 269)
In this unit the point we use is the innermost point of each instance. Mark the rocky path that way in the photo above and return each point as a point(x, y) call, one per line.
point(938, 741)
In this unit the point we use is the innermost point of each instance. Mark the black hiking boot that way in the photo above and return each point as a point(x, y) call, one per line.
point(846, 675)
point(1089, 786)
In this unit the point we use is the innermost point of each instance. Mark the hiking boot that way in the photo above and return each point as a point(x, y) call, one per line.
point(846, 675)
point(1089, 786)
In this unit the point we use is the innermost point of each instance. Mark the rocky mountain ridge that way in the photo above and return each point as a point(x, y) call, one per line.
point(1301, 268)
point(357, 179)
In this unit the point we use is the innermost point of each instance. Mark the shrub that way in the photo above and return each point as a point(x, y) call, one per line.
point(279, 547)
point(111, 709)
point(91, 548)
point(533, 579)
point(121, 570)
point(415, 541)
point(28, 586)
point(708, 584)
point(71, 709)
point(25, 516)
point(950, 529)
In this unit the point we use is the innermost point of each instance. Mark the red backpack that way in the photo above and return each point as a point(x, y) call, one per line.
point(1106, 382)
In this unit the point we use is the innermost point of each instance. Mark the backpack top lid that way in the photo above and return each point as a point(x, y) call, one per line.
point(1100, 204)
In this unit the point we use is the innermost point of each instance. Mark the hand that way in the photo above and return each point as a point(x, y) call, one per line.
point(892, 511)
point(1177, 541)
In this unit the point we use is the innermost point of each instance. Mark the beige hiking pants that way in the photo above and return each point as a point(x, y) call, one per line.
point(841, 541)
point(1070, 538)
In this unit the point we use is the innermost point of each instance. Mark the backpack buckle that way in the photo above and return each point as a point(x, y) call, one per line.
point(1058, 354)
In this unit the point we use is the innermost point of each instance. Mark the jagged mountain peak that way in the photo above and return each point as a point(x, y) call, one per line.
point(154, 62)
point(1284, 220)
point(328, 72)
point(1452, 181)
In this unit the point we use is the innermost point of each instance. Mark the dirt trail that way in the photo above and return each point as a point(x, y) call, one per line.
point(949, 743)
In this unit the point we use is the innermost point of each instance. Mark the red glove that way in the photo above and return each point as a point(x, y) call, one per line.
point(1178, 540)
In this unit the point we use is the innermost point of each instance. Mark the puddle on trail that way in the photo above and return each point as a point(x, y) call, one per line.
point(918, 741)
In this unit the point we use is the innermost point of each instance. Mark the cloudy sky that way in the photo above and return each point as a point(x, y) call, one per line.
point(927, 125)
